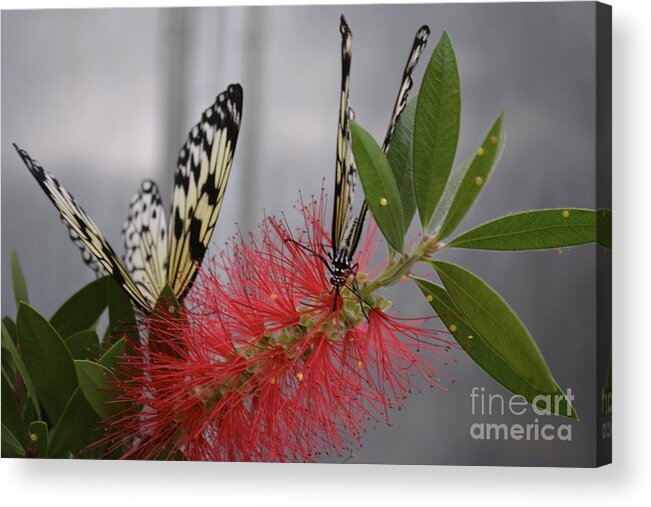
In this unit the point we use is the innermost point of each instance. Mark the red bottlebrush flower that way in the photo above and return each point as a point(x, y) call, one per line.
point(264, 367)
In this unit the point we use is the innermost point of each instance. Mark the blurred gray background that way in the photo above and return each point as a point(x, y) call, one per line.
point(104, 98)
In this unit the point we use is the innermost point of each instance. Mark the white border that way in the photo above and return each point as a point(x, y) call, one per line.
point(69, 483)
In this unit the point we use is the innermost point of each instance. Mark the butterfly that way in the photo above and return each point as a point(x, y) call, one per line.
point(346, 233)
point(155, 257)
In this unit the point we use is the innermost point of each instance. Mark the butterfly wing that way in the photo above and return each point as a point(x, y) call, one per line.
point(145, 241)
point(417, 48)
point(82, 229)
point(204, 166)
point(345, 171)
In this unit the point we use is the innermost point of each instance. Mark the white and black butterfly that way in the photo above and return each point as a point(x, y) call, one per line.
point(346, 233)
point(354, 229)
point(155, 258)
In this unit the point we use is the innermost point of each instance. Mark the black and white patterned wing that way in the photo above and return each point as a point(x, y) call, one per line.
point(204, 166)
point(82, 229)
point(345, 171)
point(145, 241)
point(417, 48)
point(88, 258)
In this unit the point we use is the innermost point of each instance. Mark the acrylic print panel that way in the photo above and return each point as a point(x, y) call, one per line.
point(296, 343)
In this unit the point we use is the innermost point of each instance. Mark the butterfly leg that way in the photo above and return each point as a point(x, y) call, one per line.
point(354, 288)
point(309, 250)
point(360, 299)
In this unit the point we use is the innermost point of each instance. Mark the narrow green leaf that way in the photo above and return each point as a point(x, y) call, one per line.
point(77, 421)
point(533, 230)
point(122, 318)
point(92, 379)
point(604, 228)
point(18, 280)
point(10, 326)
point(11, 447)
point(11, 415)
point(30, 415)
point(401, 161)
point(486, 356)
point(7, 365)
point(7, 368)
point(48, 360)
point(110, 356)
point(38, 435)
point(445, 202)
point(472, 178)
point(83, 345)
point(380, 187)
point(486, 311)
point(82, 310)
point(436, 128)
point(9, 345)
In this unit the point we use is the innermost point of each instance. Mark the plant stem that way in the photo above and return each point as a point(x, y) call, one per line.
point(397, 269)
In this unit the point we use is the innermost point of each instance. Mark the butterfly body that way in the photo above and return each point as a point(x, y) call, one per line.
point(341, 270)
point(339, 260)
point(347, 231)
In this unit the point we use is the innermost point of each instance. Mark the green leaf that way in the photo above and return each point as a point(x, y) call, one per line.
point(48, 360)
point(92, 380)
point(532, 230)
point(445, 202)
point(7, 368)
point(83, 345)
point(486, 311)
point(122, 318)
point(77, 421)
point(604, 228)
point(109, 357)
point(30, 415)
point(10, 326)
point(18, 280)
point(11, 415)
point(38, 435)
point(11, 447)
point(380, 187)
point(472, 178)
point(82, 310)
point(9, 345)
point(482, 352)
point(401, 162)
point(436, 128)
